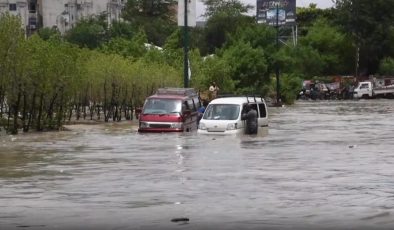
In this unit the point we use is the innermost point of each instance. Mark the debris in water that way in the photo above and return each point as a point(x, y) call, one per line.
point(181, 219)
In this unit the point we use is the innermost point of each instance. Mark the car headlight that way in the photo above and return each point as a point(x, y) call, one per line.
point(232, 126)
point(144, 125)
point(177, 125)
point(202, 126)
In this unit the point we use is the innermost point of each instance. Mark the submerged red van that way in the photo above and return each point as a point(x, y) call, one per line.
point(170, 110)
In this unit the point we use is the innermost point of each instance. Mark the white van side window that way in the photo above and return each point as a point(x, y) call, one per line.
point(263, 110)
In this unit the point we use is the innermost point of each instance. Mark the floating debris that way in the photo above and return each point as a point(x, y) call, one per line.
point(181, 219)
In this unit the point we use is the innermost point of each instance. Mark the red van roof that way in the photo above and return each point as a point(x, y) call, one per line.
point(176, 91)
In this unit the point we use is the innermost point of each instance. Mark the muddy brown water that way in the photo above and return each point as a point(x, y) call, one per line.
point(325, 165)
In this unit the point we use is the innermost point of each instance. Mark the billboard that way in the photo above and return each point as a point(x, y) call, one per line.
point(268, 10)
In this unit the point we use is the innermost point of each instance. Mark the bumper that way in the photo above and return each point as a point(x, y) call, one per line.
point(227, 132)
point(159, 130)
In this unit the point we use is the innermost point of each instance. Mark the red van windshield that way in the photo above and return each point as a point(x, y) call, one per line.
point(162, 106)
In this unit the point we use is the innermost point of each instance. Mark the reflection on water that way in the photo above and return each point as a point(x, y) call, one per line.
point(319, 165)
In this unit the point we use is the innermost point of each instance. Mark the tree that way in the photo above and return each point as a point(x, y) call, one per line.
point(47, 33)
point(12, 67)
point(134, 47)
point(386, 67)
point(156, 17)
point(228, 7)
point(306, 17)
point(224, 19)
point(332, 45)
point(88, 33)
point(369, 23)
point(248, 66)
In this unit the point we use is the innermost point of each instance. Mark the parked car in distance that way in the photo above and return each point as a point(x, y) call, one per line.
point(170, 110)
point(224, 115)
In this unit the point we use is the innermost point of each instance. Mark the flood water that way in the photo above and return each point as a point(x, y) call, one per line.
point(322, 165)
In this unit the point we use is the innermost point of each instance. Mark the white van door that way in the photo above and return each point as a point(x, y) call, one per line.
point(263, 115)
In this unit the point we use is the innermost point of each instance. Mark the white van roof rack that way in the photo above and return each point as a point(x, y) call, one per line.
point(176, 91)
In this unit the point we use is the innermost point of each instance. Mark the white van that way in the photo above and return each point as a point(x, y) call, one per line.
point(223, 115)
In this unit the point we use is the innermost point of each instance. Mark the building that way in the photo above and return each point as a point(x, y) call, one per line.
point(17, 8)
point(64, 14)
point(61, 14)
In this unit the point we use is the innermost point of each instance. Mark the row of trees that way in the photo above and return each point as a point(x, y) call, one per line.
point(96, 72)
point(45, 83)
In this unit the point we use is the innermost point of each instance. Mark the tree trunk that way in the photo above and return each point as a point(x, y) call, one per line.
point(16, 111)
point(105, 102)
point(24, 112)
point(32, 111)
point(60, 112)
point(39, 126)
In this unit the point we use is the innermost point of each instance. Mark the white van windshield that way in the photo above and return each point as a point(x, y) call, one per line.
point(162, 106)
point(221, 112)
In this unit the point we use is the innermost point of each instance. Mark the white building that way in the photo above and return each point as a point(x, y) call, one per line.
point(17, 8)
point(62, 14)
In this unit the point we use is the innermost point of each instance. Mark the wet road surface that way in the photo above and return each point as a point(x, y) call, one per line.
point(322, 165)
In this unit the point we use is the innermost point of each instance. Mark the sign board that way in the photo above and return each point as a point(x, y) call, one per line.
point(191, 13)
point(268, 10)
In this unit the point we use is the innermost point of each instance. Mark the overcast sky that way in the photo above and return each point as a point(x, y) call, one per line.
point(300, 3)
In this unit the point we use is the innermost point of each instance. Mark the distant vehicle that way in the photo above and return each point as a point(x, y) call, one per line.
point(372, 89)
point(170, 110)
point(223, 115)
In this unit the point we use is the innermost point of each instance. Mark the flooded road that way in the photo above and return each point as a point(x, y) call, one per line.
point(323, 165)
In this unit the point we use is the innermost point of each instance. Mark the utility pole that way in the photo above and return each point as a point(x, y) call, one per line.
point(185, 49)
point(278, 100)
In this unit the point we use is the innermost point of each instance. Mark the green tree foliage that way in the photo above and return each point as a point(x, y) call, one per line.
point(224, 19)
point(290, 87)
point(370, 24)
point(386, 67)
point(90, 33)
point(44, 83)
point(12, 67)
point(215, 69)
point(122, 29)
point(332, 46)
point(47, 33)
point(307, 16)
point(156, 17)
point(134, 48)
point(248, 65)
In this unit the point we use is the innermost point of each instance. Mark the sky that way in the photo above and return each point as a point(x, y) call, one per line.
point(300, 3)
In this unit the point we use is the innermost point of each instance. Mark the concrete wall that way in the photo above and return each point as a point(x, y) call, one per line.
point(21, 9)
point(64, 14)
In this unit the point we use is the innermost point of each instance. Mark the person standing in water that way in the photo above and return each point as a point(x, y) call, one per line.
point(250, 115)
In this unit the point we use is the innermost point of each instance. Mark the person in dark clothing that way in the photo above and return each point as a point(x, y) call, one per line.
point(250, 116)
point(201, 110)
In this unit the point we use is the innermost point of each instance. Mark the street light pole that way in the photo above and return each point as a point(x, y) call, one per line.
point(185, 50)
